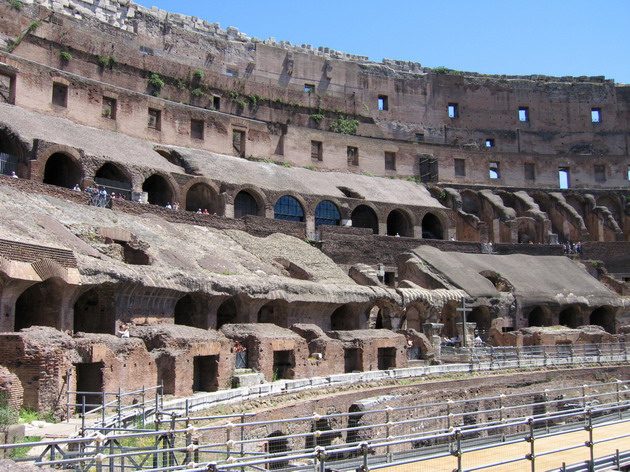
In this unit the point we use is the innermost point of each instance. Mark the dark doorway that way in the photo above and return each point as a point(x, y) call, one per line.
point(364, 217)
point(63, 171)
point(604, 317)
point(351, 360)
point(277, 446)
point(245, 204)
point(89, 384)
point(537, 317)
point(398, 224)
point(342, 320)
point(432, 227)
point(158, 190)
point(114, 180)
point(205, 373)
point(186, 312)
point(39, 305)
point(570, 317)
point(201, 196)
point(226, 313)
point(92, 315)
point(386, 358)
point(283, 365)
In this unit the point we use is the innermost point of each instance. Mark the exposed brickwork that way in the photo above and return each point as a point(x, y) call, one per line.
point(11, 389)
point(614, 255)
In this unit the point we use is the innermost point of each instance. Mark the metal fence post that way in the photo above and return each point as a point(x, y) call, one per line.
point(119, 406)
point(388, 431)
point(531, 439)
point(590, 443)
point(103, 399)
point(68, 375)
point(321, 458)
point(365, 450)
point(457, 450)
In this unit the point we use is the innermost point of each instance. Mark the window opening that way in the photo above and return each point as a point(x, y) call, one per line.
point(316, 151)
point(428, 169)
point(596, 115)
point(600, 172)
point(390, 160)
point(146, 50)
point(216, 103)
point(231, 72)
point(453, 110)
point(109, 108)
point(309, 88)
point(419, 137)
point(288, 208)
point(564, 177)
point(238, 141)
point(7, 89)
point(196, 129)
point(489, 142)
point(494, 170)
point(529, 169)
point(327, 213)
point(460, 167)
point(245, 204)
point(353, 155)
point(383, 103)
point(523, 114)
point(155, 119)
point(60, 95)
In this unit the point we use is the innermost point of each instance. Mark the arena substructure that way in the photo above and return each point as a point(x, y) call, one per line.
point(287, 210)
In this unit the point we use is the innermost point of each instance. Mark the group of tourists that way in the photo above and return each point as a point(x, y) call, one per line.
point(572, 248)
point(174, 206)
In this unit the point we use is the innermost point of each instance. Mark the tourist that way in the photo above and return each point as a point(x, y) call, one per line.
point(123, 331)
point(199, 212)
point(205, 211)
point(168, 206)
point(14, 175)
point(176, 206)
point(76, 188)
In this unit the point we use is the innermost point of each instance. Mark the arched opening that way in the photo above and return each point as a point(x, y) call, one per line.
point(63, 171)
point(481, 316)
point(432, 227)
point(604, 316)
point(570, 317)
point(471, 203)
point(158, 190)
point(577, 203)
point(288, 208)
point(364, 217)
point(398, 224)
point(324, 436)
point(12, 157)
point(245, 204)
point(274, 313)
point(342, 319)
point(415, 316)
point(538, 317)
point(201, 196)
point(613, 206)
point(39, 305)
point(226, 313)
point(327, 213)
point(527, 231)
point(277, 444)
point(114, 180)
point(449, 318)
point(187, 312)
point(380, 315)
point(94, 313)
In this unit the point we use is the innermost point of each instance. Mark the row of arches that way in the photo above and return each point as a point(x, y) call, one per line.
point(573, 316)
point(64, 171)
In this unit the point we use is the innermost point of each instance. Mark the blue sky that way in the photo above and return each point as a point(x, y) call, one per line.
point(551, 37)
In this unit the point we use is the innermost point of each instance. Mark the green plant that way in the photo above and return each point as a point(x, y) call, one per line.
point(156, 83)
point(198, 74)
point(7, 414)
point(17, 5)
point(65, 56)
point(109, 61)
point(22, 452)
point(367, 174)
point(311, 167)
point(29, 29)
point(197, 92)
point(446, 71)
point(107, 113)
point(180, 84)
point(233, 95)
point(442, 195)
point(27, 416)
point(316, 117)
point(344, 126)
point(254, 100)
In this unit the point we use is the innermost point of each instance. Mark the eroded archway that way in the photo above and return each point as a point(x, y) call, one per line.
point(40, 305)
point(201, 196)
point(398, 224)
point(604, 316)
point(94, 313)
point(158, 190)
point(432, 227)
point(62, 170)
point(364, 217)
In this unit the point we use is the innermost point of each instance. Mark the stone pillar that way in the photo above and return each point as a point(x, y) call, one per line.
point(432, 331)
point(470, 333)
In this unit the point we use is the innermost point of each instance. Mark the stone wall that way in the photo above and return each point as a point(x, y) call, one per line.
point(11, 391)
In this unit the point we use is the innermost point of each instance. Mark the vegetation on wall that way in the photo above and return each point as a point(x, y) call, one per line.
point(17, 5)
point(344, 126)
point(156, 84)
point(108, 62)
point(65, 56)
point(31, 28)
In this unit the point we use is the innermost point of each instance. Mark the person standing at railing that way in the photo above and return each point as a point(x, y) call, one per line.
point(123, 330)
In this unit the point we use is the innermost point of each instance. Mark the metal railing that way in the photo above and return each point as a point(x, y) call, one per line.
point(451, 432)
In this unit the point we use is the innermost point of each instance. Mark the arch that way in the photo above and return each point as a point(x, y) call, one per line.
point(288, 208)
point(201, 196)
point(327, 213)
point(539, 316)
point(471, 203)
point(526, 230)
point(246, 203)
point(114, 179)
point(227, 312)
point(158, 189)
point(577, 202)
point(62, 170)
point(570, 317)
point(40, 305)
point(12, 156)
point(365, 217)
point(432, 227)
point(187, 311)
point(604, 316)
point(613, 205)
point(93, 313)
point(342, 319)
point(416, 314)
point(273, 312)
point(398, 223)
point(277, 444)
point(483, 318)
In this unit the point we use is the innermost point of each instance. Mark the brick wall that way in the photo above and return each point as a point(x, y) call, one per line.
point(531, 249)
point(615, 255)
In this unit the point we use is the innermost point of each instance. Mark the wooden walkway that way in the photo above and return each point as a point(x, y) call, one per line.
point(481, 459)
